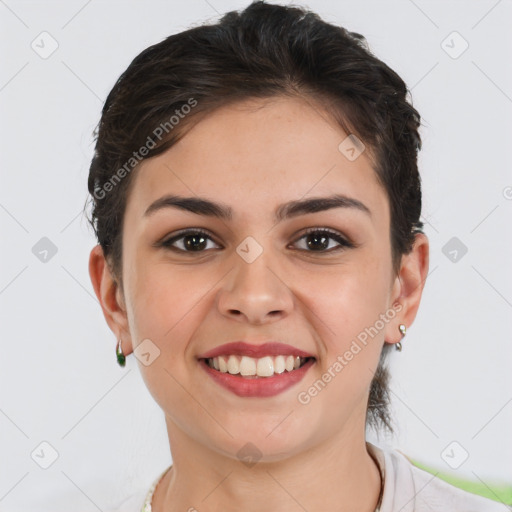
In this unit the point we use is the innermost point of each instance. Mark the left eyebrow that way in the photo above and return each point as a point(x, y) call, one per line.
point(202, 206)
point(318, 204)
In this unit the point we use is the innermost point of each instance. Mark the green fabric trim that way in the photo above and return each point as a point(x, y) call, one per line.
point(497, 491)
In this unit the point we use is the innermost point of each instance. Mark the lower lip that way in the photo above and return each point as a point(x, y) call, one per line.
point(263, 386)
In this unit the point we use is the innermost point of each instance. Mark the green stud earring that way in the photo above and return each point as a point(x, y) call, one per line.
point(121, 359)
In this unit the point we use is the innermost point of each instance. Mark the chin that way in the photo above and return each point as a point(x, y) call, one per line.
point(256, 445)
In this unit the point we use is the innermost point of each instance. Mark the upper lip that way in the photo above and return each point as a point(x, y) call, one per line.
point(241, 348)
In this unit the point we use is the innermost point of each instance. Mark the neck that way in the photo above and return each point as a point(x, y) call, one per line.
point(336, 474)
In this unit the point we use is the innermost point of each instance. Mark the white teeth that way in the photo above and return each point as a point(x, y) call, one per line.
point(279, 364)
point(265, 367)
point(250, 367)
point(247, 366)
point(223, 366)
point(233, 365)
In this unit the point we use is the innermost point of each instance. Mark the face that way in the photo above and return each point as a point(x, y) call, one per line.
point(258, 277)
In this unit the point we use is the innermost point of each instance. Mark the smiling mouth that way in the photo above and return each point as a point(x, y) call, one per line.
point(256, 368)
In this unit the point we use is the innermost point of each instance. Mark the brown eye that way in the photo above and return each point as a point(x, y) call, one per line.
point(318, 240)
point(191, 240)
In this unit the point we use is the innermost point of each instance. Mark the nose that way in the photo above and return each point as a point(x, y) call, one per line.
point(255, 293)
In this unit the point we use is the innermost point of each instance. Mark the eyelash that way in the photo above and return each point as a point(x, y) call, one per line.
point(334, 235)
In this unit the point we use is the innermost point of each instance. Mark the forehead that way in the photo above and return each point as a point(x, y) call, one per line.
point(258, 153)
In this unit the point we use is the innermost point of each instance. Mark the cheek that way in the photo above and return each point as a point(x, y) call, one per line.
point(166, 308)
point(169, 303)
point(355, 295)
point(349, 307)
point(347, 311)
point(163, 300)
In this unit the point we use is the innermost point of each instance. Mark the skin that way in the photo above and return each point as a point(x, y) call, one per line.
point(254, 156)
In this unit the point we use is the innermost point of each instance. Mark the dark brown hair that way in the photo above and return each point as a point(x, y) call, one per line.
point(262, 51)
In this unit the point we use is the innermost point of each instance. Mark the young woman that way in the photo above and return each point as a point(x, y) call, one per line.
point(256, 200)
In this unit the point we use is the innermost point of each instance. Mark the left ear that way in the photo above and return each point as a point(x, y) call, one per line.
point(408, 287)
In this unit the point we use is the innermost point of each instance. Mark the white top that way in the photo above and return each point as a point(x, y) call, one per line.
point(407, 488)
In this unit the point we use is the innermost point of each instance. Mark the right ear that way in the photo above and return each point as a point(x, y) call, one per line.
point(111, 298)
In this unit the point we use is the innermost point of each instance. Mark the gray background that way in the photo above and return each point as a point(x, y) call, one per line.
point(60, 382)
